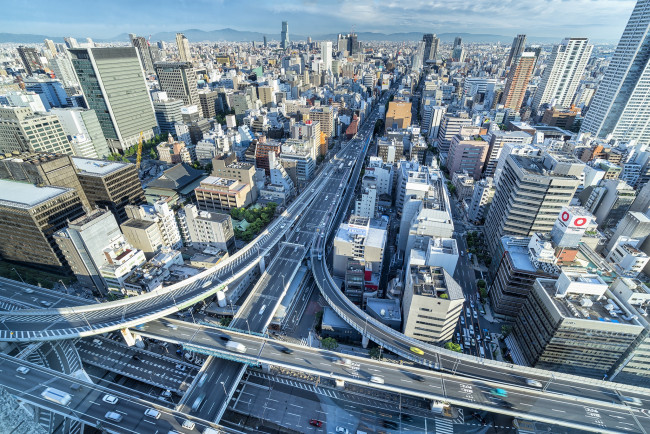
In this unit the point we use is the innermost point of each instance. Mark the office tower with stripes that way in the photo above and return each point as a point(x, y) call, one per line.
point(621, 105)
point(517, 48)
point(517, 82)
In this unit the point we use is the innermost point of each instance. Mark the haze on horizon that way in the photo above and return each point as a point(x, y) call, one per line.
point(599, 19)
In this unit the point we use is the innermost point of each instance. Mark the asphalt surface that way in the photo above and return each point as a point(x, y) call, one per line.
point(577, 408)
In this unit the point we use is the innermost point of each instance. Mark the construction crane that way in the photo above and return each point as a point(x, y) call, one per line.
point(138, 157)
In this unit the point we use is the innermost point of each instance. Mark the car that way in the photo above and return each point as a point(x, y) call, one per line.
point(22, 369)
point(499, 393)
point(533, 383)
point(97, 342)
point(287, 350)
point(416, 350)
point(224, 338)
point(110, 399)
point(180, 367)
point(166, 393)
point(342, 429)
point(115, 417)
point(172, 326)
point(136, 358)
point(462, 320)
point(152, 412)
point(188, 424)
point(418, 378)
point(315, 422)
point(406, 418)
point(630, 400)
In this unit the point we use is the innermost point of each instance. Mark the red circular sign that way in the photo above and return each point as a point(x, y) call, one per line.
point(565, 216)
point(580, 221)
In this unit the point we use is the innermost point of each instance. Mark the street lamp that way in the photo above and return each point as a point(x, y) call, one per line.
point(66, 288)
point(224, 387)
point(249, 327)
point(21, 278)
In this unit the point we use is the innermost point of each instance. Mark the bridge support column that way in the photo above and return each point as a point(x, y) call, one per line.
point(364, 341)
point(132, 339)
point(262, 265)
point(266, 367)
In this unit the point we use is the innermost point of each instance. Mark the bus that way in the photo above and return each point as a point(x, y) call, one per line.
point(55, 395)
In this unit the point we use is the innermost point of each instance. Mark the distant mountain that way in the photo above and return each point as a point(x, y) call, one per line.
point(232, 35)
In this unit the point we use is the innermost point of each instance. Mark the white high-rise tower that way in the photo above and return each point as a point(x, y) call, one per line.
point(621, 106)
point(326, 54)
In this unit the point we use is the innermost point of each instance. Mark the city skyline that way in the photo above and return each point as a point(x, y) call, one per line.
point(598, 19)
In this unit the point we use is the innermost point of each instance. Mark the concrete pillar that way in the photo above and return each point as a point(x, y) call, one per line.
point(262, 265)
point(132, 339)
point(364, 341)
point(266, 367)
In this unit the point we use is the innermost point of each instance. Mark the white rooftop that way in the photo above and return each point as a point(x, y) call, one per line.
point(24, 195)
point(97, 167)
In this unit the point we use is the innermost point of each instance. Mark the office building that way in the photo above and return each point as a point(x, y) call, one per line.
point(144, 52)
point(49, 44)
point(50, 90)
point(608, 201)
point(114, 86)
point(173, 152)
point(79, 122)
point(144, 235)
point(563, 73)
point(634, 225)
point(529, 196)
point(222, 194)
point(55, 170)
point(326, 55)
point(23, 131)
point(29, 217)
point(83, 243)
point(481, 199)
point(168, 112)
point(227, 166)
point(498, 141)
point(183, 48)
point(122, 260)
point(208, 229)
point(325, 117)
point(31, 59)
point(467, 153)
point(366, 204)
point(398, 115)
point(178, 80)
point(560, 118)
point(621, 104)
point(390, 150)
point(518, 45)
point(210, 103)
point(164, 217)
point(431, 43)
point(360, 240)
point(432, 303)
point(517, 81)
point(110, 185)
point(30, 100)
point(628, 260)
point(571, 225)
point(449, 127)
point(61, 65)
point(284, 36)
point(573, 324)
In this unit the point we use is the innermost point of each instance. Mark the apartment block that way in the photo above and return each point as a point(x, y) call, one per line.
point(222, 194)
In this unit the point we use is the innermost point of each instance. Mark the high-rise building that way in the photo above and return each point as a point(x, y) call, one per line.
point(326, 55)
point(109, 184)
point(449, 127)
point(83, 243)
point(210, 103)
point(563, 73)
point(467, 153)
point(222, 194)
point(529, 197)
point(516, 49)
point(431, 43)
point(481, 199)
point(284, 35)
point(56, 170)
point(621, 105)
point(31, 59)
point(144, 51)
point(183, 48)
point(50, 90)
point(498, 140)
point(211, 229)
point(114, 86)
point(178, 79)
point(61, 65)
point(49, 44)
point(29, 217)
point(358, 239)
point(79, 122)
point(432, 303)
point(23, 131)
point(168, 112)
point(517, 81)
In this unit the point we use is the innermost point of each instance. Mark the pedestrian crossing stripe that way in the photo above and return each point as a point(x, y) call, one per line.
point(444, 426)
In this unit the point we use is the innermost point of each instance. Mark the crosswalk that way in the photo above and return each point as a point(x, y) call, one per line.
point(300, 385)
point(444, 426)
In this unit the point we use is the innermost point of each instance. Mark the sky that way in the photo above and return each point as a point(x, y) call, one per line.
point(601, 19)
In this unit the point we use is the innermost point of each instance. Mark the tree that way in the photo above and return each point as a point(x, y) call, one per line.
point(444, 296)
point(505, 330)
point(483, 293)
point(374, 353)
point(453, 347)
point(329, 343)
point(481, 283)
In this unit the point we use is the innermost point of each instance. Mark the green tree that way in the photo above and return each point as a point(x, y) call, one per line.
point(481, 283)
point(329, 343)
point(505, 330)
point(225, 321)
point(452, 347)
point(444, 296)
point(153, 154)
point(483, 293)
point(374, 353)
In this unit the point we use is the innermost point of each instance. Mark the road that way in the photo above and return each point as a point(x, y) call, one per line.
point(575, 407)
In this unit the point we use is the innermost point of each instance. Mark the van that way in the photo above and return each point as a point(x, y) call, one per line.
point(55, 395)
point(376, 379)
point(197, 402)
point(115, 417)
point(236, 346)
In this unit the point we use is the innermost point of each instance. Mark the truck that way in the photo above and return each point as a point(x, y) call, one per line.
point(236, 346)
point(55, 395)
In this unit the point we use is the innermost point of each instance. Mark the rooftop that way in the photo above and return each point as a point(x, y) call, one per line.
point(18, 194)
point(89, 166)
point(434, 282)
point(218, 181)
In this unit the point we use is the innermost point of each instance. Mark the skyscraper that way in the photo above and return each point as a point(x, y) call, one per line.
point(113, 85)
point(517, 82)
point(458, 42)
point(430, 47)
point(621, 105)
point(49, 44)
point(144, 51)
point(178, 79)
point(326, 54)
point(284, 41)
point(31, 59)
point(563, 72)
point(517, 48)
point(183, 48)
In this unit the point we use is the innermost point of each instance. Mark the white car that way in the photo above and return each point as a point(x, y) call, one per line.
point(110, 399)
point(188, 424)
point(150, 412)
point(22, 369)
point(533, 383)
point(342, 429)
